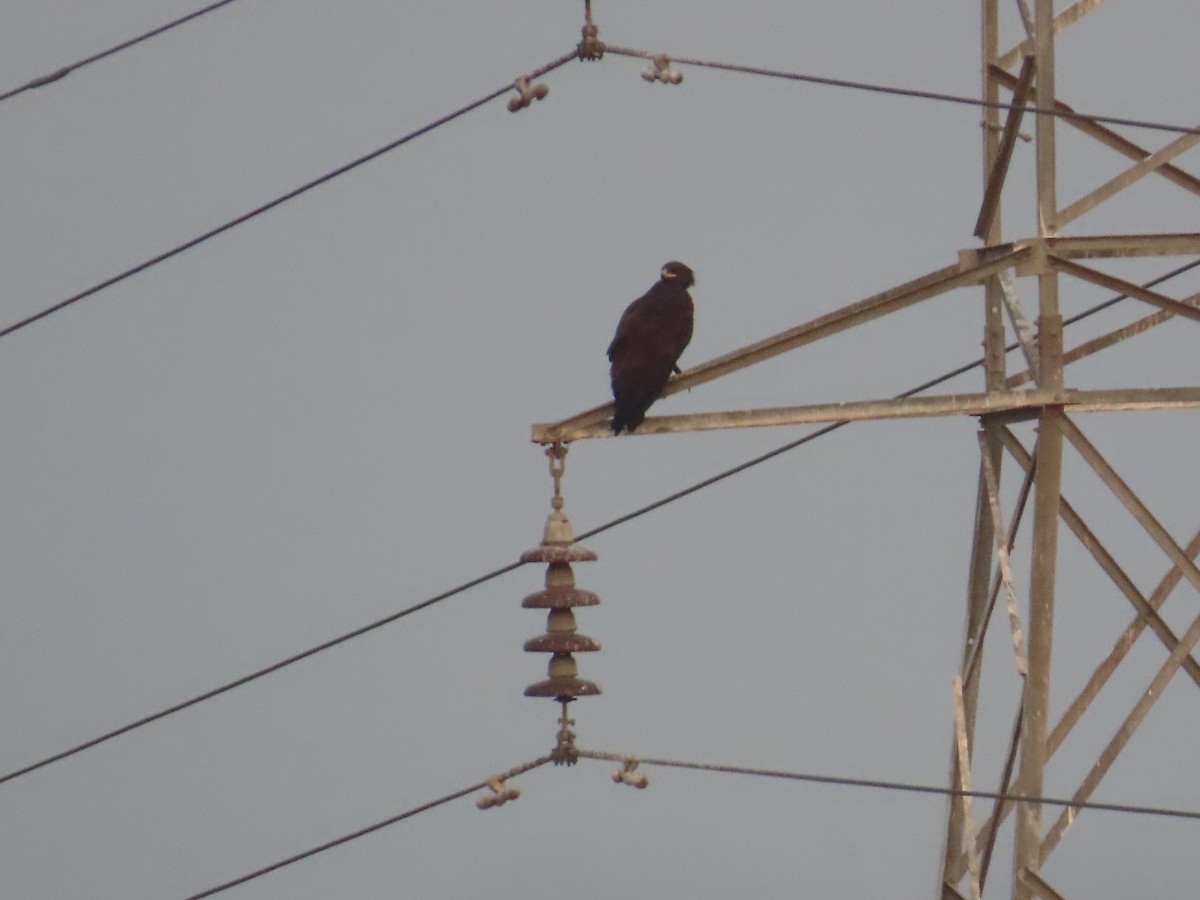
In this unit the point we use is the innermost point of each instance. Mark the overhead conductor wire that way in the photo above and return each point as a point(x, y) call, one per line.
point(63, 72)
point(595, 531)
point(284, 198)
point(503, 570)
point(834, 82)
point(345, 839)
point(904, 786)
point(897, 91)
point(616, 51)
point(835, 780)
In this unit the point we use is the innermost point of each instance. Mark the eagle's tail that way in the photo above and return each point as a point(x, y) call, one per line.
point(627, 419)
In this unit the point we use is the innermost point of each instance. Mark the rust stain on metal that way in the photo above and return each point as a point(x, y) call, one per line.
point(557, 553)
point(560, 598)
point(562, 643)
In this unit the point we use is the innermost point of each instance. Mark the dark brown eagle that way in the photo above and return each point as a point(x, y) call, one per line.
point(650, 337)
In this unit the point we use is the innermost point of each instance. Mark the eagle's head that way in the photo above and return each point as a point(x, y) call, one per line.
point(676, 272)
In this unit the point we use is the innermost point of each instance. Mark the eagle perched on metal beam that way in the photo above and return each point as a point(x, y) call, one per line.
point(650, 338)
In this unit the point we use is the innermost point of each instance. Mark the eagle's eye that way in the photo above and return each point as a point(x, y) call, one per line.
point(667, 273)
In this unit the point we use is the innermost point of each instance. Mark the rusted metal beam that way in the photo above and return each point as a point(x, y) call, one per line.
point(1121, 245)
point(1180, 652)
point(1039, 886)
point(979, 608)
point(991, 829)
point(1121, 286)
point(1047, 481)
point(956, 867)
point(1114, 747)
point(976, 638)
point(995, 359)
point(962, 274)
point(979, 603)
point(1026, 336)
point(999, 171)
point(1134, 173)
point(989, 48)
point(964, 784)
point(1147, 609)
point(1046, 154)
point(1047, 485)
point(1104, 135)
point(954, 861)
point(981, 600)
point(1130, 501)
point(1016, 402)
point(975, 266)
point(1087, 348)
point(1066, 18)
point(1122, 647)
point(1026, 17)
point(1006, 575)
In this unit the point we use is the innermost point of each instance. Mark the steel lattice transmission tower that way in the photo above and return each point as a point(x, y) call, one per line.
point(1024, 78)
point(1034, 741)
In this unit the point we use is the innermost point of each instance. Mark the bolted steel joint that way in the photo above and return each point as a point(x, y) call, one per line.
point(565, 753)
point(590, 48)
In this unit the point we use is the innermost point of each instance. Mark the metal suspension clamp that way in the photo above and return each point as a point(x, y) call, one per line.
point(499, 795)
point(527, 92)
point(565, 753)
point(590, 48)
point(630, 776)
point(662, 71)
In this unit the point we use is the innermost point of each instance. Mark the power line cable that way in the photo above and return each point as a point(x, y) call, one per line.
point(619, 51)
point(836, 780)
point(254, 676)
point(284, 198)
point(329, 845)
point(503, 570)
point(1113, 301)
point(59, 74)
point(905, 786)
point(896, 91)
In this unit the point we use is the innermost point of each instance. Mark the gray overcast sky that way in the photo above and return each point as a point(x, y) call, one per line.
point(323, 416)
